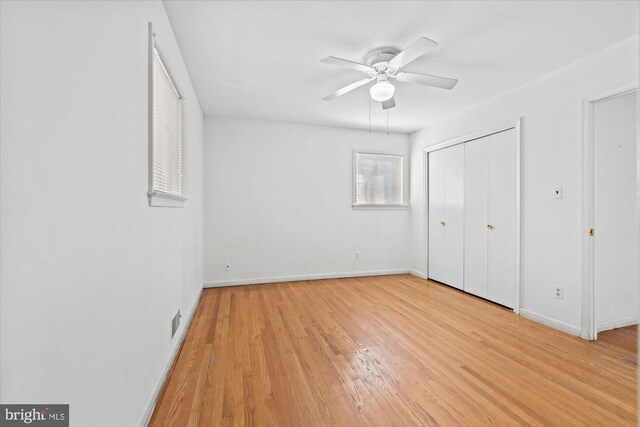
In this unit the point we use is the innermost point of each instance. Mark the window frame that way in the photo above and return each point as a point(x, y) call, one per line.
point(158, 198)
point(403, 184)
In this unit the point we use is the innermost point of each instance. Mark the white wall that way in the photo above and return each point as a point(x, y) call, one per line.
point(278, 204)
point(91, 275)
point(551, 153)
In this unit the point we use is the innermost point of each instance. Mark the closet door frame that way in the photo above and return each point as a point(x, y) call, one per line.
point(469, 138)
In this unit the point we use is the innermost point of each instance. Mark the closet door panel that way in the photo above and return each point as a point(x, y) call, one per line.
point(436, 216)
point(475, 216)
point(502, 218)
point(454, 216)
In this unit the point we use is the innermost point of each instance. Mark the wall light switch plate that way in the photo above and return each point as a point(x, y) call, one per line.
point(557, 193)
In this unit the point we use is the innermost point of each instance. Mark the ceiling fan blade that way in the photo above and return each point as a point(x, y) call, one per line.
point(389, 103)
point(348, 88)
point(346, 63)
point(426, 79)
point(413, 52)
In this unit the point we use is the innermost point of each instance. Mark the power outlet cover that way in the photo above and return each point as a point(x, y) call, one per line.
point(557, 292)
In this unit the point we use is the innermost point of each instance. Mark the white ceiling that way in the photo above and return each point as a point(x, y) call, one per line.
point(261, 60)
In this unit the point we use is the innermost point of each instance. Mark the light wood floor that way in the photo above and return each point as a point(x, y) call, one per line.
point(384, 351)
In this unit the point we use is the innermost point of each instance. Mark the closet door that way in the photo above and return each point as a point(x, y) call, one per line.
point(501, 223)
point(476, 176)
point(454, 216)
point(446, 216)
point(436, 216)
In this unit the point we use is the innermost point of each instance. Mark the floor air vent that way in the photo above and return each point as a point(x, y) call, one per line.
point(175, 323)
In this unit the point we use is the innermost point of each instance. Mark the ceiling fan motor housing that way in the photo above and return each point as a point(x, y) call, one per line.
point(378, 60)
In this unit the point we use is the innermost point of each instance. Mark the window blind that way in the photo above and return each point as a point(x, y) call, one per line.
point(167, 131)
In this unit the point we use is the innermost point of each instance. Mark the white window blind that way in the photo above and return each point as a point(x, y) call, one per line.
point(378, 180)
point(166, 150)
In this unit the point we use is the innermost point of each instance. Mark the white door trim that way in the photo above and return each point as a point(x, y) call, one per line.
point(588, 327)
point(509, 124)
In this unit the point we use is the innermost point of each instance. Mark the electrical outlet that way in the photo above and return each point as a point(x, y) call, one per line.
point(557, 292)
point(227, 267)
point(357, 255)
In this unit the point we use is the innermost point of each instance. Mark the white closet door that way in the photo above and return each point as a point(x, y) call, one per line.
point(454, 216)
point(437, 216)
point(502, 218)
point(475, 216)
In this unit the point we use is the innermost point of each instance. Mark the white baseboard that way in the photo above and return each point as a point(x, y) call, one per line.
point(557, 324)
point(151, 403)
point(417, 273)
point(614, 324)
point(261, 280)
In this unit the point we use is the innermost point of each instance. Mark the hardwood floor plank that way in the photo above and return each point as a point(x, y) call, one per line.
point(386, 351)
point(214, 394)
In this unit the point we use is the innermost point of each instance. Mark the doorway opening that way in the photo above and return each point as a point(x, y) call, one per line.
point(610, 215)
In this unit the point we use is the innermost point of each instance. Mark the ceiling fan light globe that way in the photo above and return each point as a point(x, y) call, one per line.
point(382, 91)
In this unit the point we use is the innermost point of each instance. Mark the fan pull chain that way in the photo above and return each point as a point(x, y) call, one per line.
point(387, 122)
point(369, 113)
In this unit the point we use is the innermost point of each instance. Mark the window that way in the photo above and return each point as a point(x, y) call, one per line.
point(378, 180)
point(165, 175)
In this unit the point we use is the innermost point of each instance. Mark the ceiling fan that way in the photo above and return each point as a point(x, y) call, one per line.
point(383, 65)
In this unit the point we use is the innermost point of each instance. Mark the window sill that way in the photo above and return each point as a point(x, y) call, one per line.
point(379, 207)
point(165, 200)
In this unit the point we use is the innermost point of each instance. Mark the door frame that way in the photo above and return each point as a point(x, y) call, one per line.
point(516, 124)
point(588, 326)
